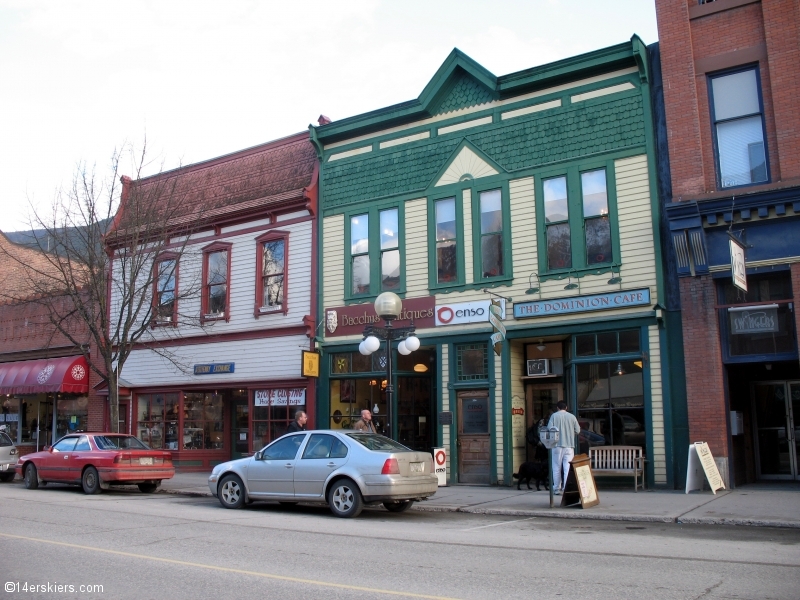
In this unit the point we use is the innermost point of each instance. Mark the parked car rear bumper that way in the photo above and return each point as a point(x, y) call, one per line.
point(379, 488)
point(134, 475)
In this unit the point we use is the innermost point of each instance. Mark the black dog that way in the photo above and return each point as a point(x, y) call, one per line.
point(536, 471)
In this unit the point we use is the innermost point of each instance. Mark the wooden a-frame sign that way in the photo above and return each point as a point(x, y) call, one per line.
point(580, 489)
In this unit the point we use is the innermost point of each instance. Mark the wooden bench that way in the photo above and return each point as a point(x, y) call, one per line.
point(618, 460)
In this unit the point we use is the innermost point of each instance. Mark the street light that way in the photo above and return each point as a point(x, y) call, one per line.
point(389, 306)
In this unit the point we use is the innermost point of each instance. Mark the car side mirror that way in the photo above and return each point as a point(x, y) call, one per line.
point(48, 448)
point(258, 455)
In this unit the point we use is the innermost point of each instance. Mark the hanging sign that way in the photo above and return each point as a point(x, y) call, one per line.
point(738, 268)
point(495, 316)
point(578, 304)
point(702, 463)
point(214, 368)
point(310, 364)
point(580, 489)
point(459, 313)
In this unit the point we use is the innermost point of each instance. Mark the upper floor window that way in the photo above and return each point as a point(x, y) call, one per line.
point(491, 234)
point(446, 241)
point(577, 229)
point(271, 271)
point(216, 288)
point(166, 288)
point(738, 118)
point(375, 262)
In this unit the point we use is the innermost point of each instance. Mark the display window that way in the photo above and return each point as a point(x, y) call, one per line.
point(157, 420)
point(273, 412)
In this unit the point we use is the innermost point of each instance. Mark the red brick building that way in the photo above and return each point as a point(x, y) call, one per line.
point(46, 385)
point(731, 95)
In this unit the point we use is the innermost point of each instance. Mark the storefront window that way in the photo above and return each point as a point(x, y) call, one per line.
point(157, 420)
point(72, 415)
point(273, 411)
point(203, 423)
point(472, 362)
point(9, 418)
point(350, 396)
point(611, 404)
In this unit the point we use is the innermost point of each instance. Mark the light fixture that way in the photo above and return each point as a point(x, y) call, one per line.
point(420, 368)
point(371, 344)
point(412, 343)
point(620, 370)
point(533, 289)
point(403, 349)
point(638, 363)
point(615, 279)
point(388, 306)
point(541, 347)
point(572, 286)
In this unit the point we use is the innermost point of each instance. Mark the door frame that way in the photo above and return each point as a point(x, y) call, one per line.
point(790, 424)
point(467, 394)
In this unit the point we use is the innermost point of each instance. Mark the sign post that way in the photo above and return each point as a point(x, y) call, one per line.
point(701, 463)
point(440, 465)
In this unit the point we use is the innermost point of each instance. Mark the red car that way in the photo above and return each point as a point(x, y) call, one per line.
point(96, 461)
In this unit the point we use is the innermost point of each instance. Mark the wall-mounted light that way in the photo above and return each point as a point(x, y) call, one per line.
point(420, 368)
point(571, 285)
point(541, 347)
point(615, 279)
point(534, 289)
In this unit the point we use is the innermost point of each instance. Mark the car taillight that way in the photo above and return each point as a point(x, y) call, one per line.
point(122, 459)
point(390, 467)
point(13, 451)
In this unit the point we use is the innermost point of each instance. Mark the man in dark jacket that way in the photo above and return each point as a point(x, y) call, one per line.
point(299, 423)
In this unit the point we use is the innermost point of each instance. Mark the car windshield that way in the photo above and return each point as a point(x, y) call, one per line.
point(378, 443)
point(119, 442)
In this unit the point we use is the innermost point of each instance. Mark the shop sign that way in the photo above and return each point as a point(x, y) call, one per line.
point(440, 465)
point(517, 421)
point(738, 270)
point(310, 364)
point(214, 368)
point(280, 397)
point(754, 319)
point(460, 313)
point(351, 320)
point(579, 304)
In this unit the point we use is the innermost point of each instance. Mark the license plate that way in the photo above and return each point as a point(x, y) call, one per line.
point(4, 467)
point(415, 467)
point(148, 460)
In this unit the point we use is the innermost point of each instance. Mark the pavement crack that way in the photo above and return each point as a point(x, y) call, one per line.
point(708, 590)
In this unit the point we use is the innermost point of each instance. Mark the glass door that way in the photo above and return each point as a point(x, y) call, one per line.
point(774, 407)
point(474, 439)
point(240, 418)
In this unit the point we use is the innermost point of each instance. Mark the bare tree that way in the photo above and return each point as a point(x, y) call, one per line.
point(112, 244)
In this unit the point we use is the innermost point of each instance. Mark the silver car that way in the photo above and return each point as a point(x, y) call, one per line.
point(8, 458)
point(346, 469)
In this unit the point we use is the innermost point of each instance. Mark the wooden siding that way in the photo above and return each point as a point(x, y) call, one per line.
point(659, 458)
point(519, 447)
point(445, 403)
point(416, 245)
point(499, 421)
point(262, 359)
point(333, 257)
point(467, 236)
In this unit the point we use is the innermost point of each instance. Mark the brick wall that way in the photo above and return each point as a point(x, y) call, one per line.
point(796, 293)
point(705, 381)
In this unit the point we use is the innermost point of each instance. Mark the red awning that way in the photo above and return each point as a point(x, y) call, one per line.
point(69, 374)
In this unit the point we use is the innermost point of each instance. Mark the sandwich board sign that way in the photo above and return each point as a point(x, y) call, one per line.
point(701, 464)
point(580, 489)
point(440, 465)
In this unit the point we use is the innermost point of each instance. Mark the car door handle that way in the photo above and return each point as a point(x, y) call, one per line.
point(66, 456)
point(288, 465)
point(330, 464)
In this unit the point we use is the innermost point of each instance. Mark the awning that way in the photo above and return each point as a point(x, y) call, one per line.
point(69, 374)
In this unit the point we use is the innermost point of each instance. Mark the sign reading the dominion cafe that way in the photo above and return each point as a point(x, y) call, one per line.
point(578, 304)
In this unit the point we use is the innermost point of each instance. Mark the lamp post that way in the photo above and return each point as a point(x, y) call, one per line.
point(388, 306)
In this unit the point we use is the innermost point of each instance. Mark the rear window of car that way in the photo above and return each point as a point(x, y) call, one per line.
point(119, 442)
point(378, 443)
point(5, 440)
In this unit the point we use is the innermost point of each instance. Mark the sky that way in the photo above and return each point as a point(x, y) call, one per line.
point(199, 79)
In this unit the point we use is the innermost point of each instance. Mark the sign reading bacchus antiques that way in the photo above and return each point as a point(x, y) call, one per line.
point(351, 320)
point(214, 369)
point(565, 306)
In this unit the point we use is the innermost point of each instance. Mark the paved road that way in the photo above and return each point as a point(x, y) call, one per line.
point(161, 546)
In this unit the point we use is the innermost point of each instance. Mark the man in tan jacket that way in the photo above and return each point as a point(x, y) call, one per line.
point(365, 423)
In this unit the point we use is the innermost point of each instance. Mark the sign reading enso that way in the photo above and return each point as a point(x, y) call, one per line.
point(351, 320)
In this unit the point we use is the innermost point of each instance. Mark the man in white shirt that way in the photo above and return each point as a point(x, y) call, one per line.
point(567, 426)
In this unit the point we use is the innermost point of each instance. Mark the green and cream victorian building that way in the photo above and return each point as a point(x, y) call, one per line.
point(536, 190)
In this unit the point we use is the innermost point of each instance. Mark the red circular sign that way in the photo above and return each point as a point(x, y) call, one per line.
point(441, 457)
point(445, 314)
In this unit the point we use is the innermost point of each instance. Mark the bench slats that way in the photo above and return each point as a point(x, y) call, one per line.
point(622, 460)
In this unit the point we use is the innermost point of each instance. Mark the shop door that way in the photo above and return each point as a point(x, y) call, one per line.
point(776, 405)
point(474, 438)
point(240, 418)
point(542, 399)
point(122, 418)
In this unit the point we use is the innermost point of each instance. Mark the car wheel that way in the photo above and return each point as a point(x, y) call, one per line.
point(148, 488)
point(398, 507)
point(231, 492)
point(7, 477)
point(90, 481)
point(345, 499)
point(31, 478)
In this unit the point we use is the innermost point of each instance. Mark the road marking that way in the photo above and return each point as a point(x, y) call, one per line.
point(498, 524)
point(341, 586)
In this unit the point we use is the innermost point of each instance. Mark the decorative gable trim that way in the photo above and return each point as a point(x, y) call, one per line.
point(466, 163)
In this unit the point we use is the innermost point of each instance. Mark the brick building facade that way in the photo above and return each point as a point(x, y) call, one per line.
point(48, 386)
point(731, 101)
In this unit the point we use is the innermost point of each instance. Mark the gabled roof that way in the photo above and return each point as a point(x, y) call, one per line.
point(260, 179)
point(18, 265)
point(461, 82)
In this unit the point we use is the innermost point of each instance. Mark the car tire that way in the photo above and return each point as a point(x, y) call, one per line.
point(31, 477)
point(7, 476)
point(398, 507)
point(148, 488)
point(90, 481)
point(344, 499)
point(231, 492)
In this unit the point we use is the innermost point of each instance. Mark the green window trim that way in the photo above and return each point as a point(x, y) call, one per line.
point(477, 253)
point(577, 223)
point(374, 252)
point(433, 283)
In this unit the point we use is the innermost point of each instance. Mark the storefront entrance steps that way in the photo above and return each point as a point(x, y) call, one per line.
point(767, 505)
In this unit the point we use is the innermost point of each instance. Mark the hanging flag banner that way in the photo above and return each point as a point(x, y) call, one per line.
point(738, 264)
point(495, 316)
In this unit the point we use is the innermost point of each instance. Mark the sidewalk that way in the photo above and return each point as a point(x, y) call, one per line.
point(766, 505)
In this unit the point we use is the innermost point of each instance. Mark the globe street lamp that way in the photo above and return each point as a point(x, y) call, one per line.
point(388, 306)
